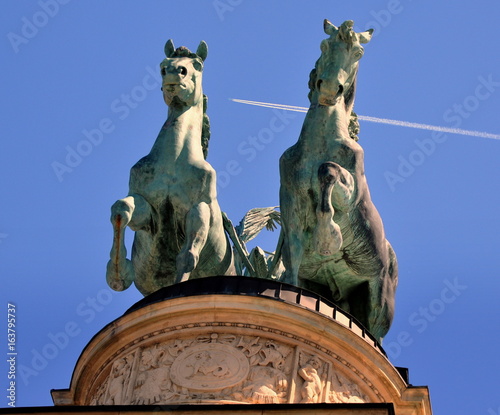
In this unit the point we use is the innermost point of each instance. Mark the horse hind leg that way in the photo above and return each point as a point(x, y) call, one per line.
point(197, 227)
point(384, 296)
point(381, 310)
point(327, 234)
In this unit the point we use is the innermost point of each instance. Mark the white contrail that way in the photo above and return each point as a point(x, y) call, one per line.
point(379, 120)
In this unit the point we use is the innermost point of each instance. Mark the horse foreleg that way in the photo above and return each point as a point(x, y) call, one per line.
point(292, 253)
point(197, 226)
point(344, 191)
point(327, 235)
point(119, 270)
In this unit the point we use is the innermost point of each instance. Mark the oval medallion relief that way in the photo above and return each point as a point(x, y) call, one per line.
point(209, 367)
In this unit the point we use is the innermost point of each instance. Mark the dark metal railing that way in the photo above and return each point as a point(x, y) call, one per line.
point(257, 287)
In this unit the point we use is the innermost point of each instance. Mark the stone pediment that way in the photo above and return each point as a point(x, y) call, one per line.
point(270, 344)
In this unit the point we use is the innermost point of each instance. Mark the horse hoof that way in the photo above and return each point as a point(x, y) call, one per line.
point(119, 276)
point(116, 285)
point(184, 277)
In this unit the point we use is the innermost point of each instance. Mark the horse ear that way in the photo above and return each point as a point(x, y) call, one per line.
point(329, 28)
point(365, 37)
point(169, 48)
point(202, 50)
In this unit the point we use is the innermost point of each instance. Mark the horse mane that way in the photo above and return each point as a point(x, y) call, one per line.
point(347, 34)
point(205, 130)
point(184, 52)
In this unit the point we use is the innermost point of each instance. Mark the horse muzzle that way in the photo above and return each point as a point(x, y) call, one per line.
point(331, 87)
point(329, 96)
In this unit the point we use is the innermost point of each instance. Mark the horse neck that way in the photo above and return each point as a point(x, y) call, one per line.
point(325, 124)
point(180, 136)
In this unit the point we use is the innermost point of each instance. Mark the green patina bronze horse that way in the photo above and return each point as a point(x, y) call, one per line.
point(333, 234)
point(172, 204)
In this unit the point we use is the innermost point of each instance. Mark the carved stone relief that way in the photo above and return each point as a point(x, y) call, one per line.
point(223, 367)
point(344, 391)
point(113, 391)
point(312, 371)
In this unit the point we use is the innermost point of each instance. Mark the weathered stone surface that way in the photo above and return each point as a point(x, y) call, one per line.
point(172, 204)
point(226, 368)
point(333, 234)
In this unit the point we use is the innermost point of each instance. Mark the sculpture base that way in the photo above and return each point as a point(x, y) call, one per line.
point(238, 340)
point(296, 409)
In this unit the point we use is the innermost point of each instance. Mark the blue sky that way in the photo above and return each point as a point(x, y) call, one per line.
point(80, 90)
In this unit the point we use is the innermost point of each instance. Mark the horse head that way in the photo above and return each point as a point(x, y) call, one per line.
point(181, 73)
point(334, 75)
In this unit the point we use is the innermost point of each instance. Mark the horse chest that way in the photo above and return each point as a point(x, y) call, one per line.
point(300, 165)
point(156, 184)
point(343, 152)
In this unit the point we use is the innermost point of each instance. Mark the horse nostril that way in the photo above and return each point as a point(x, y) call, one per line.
point(182, 70)
point(318, 84)
point(341, 90)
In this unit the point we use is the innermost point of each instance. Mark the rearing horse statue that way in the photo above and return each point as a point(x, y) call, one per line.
point(172, 204)
point(333, 234)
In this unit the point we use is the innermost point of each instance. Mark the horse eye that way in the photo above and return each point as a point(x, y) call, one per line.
point(358, 54)
point(197, 66)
